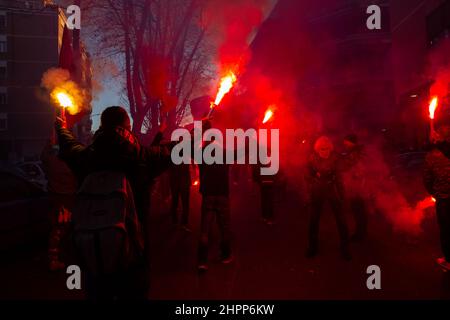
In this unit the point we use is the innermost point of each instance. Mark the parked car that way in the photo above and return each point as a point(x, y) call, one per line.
point(24, 208)
point(34, 172)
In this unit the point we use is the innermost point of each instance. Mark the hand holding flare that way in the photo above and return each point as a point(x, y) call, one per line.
point(65, 101)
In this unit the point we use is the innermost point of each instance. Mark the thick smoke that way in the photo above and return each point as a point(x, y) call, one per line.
point(232, 23)
point(386, 193)
point(59, 79)
point(294, 71)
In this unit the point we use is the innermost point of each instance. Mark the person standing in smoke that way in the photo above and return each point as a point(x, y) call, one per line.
point(267, 190)
point(62, 186)
point(437, 183)
point(214, 188)
point(115, 149)
point(180, 185)
point(325, 184)
point(354, 182)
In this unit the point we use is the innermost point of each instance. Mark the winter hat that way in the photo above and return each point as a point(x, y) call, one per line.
point(115, 117)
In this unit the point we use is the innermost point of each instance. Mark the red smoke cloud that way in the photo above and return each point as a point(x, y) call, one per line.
point(233, 22)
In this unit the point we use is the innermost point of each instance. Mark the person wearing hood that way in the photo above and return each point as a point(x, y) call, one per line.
point(437, 183)
point(115, 148)
point(325, 184)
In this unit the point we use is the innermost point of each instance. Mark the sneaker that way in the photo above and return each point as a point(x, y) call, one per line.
point(227, 259)
point(443, 263)
point(56, 265)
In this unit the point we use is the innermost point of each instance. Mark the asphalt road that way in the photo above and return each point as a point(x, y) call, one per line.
point(269, 261)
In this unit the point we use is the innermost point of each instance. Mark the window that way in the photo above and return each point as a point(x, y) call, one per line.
point(3, 121)
point(3, 47)
point(3, 96)
point(2, 22)
point(3, 70)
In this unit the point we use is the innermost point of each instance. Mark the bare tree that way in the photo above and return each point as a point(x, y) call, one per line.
point(160, 46)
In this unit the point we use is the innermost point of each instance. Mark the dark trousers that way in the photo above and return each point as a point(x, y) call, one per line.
point(218, 208)
point(183, 192)
point(267, 191)
point(359, 210)
point(318, 201)
point(443, 218)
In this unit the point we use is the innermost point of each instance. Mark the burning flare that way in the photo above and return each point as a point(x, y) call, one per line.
point(426, 203)
point(433, 106)
point(195, 183)
point(226, 83)
point(65, 100)
point(267, 116)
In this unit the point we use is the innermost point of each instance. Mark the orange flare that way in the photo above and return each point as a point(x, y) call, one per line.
point(65, 100)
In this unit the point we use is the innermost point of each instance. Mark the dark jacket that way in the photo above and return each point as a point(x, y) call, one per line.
point(115, 149)
point(214, 179)
point(61, 179)
point(437, 171)
point(324, 176)
point(180, 176)
point(352, 166)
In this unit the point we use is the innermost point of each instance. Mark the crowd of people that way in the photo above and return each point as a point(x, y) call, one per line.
point(104, 187)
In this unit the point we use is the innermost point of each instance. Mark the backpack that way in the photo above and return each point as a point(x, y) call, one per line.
point(106, 232)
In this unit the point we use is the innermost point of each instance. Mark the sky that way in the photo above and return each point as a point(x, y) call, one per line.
point(109, 96)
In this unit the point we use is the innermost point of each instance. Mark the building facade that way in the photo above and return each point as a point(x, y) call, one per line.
point(353, 77)
point(30, 40)
point(420, 39)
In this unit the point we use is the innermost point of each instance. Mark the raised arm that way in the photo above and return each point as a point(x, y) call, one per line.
point(157, 158)
point(70, 150)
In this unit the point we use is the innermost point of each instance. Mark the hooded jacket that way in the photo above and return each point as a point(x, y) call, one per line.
point(324, 176)
point(115, 149)
point(437, 171)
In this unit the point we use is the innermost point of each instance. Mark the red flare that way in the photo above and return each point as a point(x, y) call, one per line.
point(226, 83)
point(433, 106)
point(267, 116)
